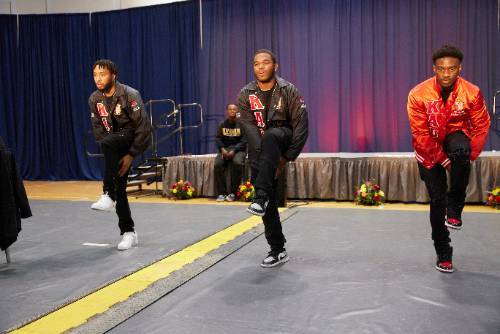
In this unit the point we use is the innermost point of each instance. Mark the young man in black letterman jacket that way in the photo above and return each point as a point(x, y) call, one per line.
point(122, 128)
point(274, 118)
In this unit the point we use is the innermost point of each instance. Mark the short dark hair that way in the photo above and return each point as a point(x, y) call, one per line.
point(107, 64)
point(447, 50)
point(231, 103)
point(269, 52)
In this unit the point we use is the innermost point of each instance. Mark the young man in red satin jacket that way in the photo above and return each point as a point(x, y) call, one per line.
point(449, 124)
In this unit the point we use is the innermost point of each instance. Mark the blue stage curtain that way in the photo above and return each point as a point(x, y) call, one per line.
point(156, 49)
point(47, 79)
point(353, 61)
point(51, 107)
point(8, 79)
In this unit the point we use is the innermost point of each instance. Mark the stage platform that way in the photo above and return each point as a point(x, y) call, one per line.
point(335, 176)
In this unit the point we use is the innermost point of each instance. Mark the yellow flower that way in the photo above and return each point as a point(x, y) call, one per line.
point(174, 191)
point(189, 193)
point(363, 188)
point(381, 193)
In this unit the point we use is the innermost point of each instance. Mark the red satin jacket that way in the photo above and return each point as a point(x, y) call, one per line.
point(431, 120)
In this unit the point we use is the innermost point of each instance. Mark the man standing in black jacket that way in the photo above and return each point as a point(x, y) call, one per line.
point(232, 146)
point(274, 118)
point(123, 130)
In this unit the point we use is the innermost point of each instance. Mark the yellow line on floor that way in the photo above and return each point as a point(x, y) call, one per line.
point(132, 199)
point(395, 207)
point(309, 204)
point(78, 312)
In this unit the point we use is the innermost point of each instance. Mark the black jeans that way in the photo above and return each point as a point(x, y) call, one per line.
point(114, 147)
point(221, 165)
point(443, 202)
point(274, 144)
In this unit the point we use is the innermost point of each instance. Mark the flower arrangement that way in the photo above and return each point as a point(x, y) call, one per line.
point(369, 193)
point(493, 199)
point(182, 190)
point(245, 192)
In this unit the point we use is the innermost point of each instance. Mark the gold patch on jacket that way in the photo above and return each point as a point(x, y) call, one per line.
point(228, 132)
point(118, 110)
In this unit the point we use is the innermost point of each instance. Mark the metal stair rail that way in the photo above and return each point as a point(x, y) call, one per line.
point(151, 169)
point(496, 114)
point(181, 128)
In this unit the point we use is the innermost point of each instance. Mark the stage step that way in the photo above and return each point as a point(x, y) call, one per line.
point(136, 183)
point(147, 167)
point(143, 175)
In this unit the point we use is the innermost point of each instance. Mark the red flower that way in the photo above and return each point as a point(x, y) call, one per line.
point(238, 194)
point(356, 193)
point(497, 199)
point(174, 186)
point(188, 183)
point(376, 187)
point(376, 198)
point(248, 184)
point(184, 188)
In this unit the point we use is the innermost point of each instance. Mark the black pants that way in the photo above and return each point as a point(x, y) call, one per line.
point(443, 202)
point(221, 165)
point(114, 147)
point(274, 144)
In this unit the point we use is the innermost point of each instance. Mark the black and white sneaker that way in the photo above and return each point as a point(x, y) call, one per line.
point(258, 206)
point(274, 259)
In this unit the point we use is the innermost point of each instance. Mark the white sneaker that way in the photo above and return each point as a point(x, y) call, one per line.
point(221, 198)
point(129, 239)
point(105, 203)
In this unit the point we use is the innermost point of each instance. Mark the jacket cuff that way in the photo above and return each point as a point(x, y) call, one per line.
point(133, 152)
point(290, 156)
point(446, 162)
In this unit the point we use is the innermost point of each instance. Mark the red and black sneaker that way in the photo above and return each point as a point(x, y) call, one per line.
point(445, 266)
point(454, 223)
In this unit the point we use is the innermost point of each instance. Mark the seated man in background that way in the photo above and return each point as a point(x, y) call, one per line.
point(232, 146)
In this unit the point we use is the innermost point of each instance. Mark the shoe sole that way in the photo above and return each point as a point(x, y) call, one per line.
point(255, 213)
point(104, 210)
point(133, 245)
point(124, 249)
point(275, 264)
point(453, 226)
point(447, 271)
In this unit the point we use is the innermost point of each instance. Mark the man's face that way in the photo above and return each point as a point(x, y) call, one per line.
point(231, 111)
point(264, 67)
point(447, 70)
point(103, 78)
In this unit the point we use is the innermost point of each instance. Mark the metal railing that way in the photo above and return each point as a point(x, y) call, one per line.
point(166, 120)
point(178, 109)
point(496, 115)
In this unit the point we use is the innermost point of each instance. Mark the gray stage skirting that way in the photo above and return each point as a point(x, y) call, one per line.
point(335, 176)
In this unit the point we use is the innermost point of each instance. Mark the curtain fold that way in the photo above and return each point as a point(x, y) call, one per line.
point(354, 62)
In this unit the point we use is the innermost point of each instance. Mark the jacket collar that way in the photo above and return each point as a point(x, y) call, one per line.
point(119, 91)
point(279, 81)
point(453, 94)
